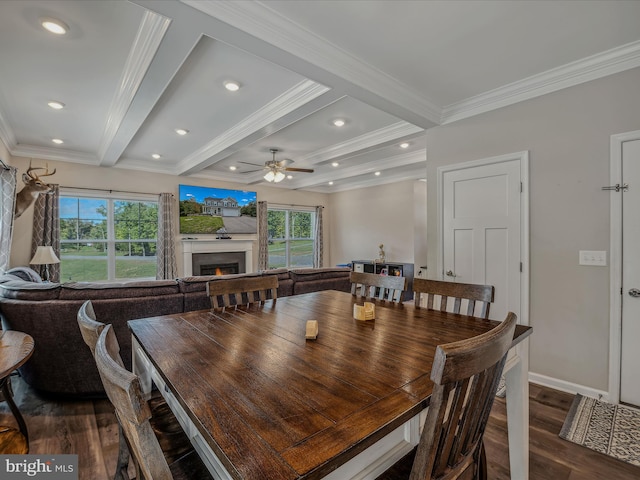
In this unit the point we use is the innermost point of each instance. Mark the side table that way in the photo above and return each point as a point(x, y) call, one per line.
point(15, 349)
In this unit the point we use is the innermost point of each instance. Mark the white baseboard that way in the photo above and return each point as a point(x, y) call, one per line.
point(568, 387)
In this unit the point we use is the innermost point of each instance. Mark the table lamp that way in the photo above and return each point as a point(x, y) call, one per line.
point(45, 256)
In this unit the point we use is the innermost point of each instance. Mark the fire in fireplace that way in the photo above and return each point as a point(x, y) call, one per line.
point(219, 269)
point(224, 263)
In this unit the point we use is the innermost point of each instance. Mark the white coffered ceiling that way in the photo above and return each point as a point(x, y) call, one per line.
point(131, 73)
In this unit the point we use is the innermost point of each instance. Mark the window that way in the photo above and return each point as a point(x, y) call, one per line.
point(107, 238)
point(291, 234)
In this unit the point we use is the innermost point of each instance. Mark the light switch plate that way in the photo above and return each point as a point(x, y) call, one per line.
point(596, 258)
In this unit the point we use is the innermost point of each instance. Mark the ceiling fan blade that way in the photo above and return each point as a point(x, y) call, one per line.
point(284, 162)
point(252, 171)
point(247, 163)
point(304, 170)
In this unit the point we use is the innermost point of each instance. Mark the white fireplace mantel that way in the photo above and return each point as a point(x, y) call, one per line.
point(191, 246)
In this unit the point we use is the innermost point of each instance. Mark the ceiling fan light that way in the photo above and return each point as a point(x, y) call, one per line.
point(270, 176)
point(279, 177)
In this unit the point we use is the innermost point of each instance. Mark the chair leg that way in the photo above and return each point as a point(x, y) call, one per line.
point(122, 466)
point(482, 463)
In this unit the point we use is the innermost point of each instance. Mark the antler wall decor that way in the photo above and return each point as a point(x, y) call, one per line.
point(33, 187)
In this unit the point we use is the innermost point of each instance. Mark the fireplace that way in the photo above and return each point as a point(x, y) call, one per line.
point(197, 252)
point(221, 263)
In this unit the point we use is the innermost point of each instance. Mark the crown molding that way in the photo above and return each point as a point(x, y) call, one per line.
point(294, 98)
point(259, 20)
point(590, 68)
point(55, 154)
point(145, 46)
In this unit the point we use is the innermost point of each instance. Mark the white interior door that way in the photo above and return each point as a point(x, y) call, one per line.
point(484, 228)
point(630, 353)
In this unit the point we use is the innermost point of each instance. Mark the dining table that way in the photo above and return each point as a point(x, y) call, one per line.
point(260, 400)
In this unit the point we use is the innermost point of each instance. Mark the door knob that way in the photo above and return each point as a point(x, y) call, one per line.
point(634, 292)
point(449, 273)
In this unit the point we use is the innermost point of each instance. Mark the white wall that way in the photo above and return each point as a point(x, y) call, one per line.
point(567, 134)
point(364, 218)
point(75, 175)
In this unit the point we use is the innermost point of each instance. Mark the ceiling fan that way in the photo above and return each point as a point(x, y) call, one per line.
point(275, 169)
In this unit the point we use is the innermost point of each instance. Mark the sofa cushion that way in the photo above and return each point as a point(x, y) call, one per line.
point(132, 289)
point(199, 283)
point(313, 274)
point(26, 290)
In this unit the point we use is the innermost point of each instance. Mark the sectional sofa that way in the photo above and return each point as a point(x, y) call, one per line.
point(62, 365)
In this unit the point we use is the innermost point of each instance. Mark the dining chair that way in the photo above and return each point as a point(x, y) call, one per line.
point(382, 287)
point(482, 295)
point(133, 413)
point(465, 376)
point(231, 292)
point(172, 439)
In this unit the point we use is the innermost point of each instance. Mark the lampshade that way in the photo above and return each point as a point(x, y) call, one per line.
point(44, 256)
point(269, 177)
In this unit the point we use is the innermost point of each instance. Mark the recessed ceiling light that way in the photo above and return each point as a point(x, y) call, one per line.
point(338, 122)
point(377, 174)
point(232, 86)
point(156, 156)
point(330, 183)
point(334, 164)
point(54, 26)
point(57, 141)
point(404, 145)
point(181, 131)
point(56, 105)
point(289, 177)
point(232, 167)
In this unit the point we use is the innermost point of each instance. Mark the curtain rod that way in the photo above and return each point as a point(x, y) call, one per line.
point(109, 190)
point(292, 205)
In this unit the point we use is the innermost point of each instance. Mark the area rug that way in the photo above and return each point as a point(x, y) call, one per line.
point(606, 428)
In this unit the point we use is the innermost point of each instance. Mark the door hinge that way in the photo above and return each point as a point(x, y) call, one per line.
point(521, 187)
point(520, 267)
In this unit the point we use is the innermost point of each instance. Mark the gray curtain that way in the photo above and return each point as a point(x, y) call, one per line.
point(165, 249)
point(318, 240)
point(263, 237)
point(46, 229)
point(7, 206)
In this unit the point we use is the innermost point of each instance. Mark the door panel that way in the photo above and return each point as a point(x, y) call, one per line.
point(481, 214)
point(630, 353)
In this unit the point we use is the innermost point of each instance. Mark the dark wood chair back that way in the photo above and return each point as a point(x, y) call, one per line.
point(242, 290)
point(476, 296)
point(133, 412)
point(465, 376)
point(382, 287)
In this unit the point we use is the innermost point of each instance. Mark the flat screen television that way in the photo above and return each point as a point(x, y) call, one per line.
point(217, 211)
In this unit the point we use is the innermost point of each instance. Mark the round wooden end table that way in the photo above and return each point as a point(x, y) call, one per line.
point(15, 349)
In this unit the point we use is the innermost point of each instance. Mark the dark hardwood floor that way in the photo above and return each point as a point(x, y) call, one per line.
point(89, 429)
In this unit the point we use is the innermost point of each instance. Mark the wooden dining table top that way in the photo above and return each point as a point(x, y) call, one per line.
point(269, 402)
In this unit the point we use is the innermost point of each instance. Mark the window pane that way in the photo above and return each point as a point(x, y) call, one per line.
point(300, 225)
point(277, 254)
point(83, 262)
point(135, 220)
point(276, 223)
point(301, 253)
point(135, 259)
